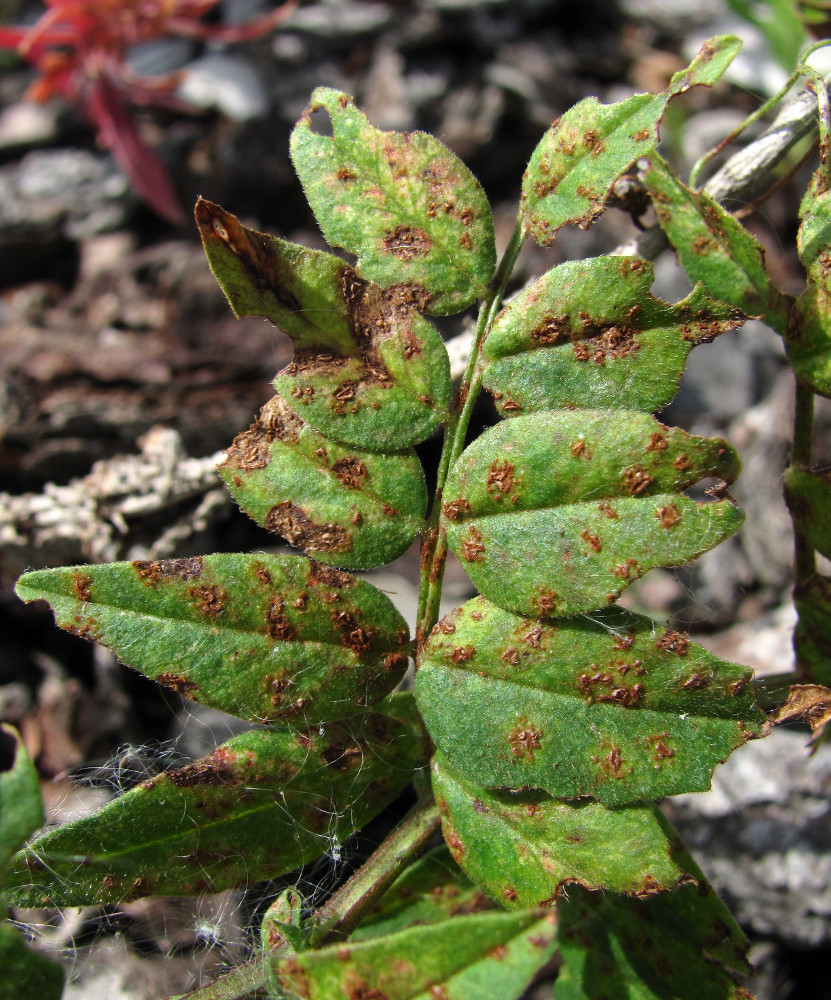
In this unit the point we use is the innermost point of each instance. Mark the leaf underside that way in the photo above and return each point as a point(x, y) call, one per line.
point(264, 637)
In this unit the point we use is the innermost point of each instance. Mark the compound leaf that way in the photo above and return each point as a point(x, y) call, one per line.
point(610, 705)
point(21, 806)
point(490, 954)
point(681, 944)
point(714, 248)
point(347, 507)
point(265, 637)
point(525, 848)
point(367, 370)
point(260, 805)
point(401, 201)
point(572, 170)
point(601, 489)
point(589, 334)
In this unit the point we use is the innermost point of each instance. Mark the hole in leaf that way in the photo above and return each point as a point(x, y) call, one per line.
point(320, 122)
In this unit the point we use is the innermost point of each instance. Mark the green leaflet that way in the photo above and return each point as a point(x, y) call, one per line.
point(24, 972)
point(589, 334)
point(493, 955)
point(714, 248)
point(430, 890)
point(812, 635)
point(401, 201)
point(21, 806)
point(367, 370)
point(600, 489)
point(347, 507)
point(808, 495)
point(808, 336)
point(265, 637)
point(679, 945)
point(526, 848)
point(571, 171)
point(260, 805)
point(609, 705)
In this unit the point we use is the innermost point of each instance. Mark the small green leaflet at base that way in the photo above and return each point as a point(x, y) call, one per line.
point(409, 209)
point(367, 369)
point(346, 507)
point(812, 635)
point(572, 170)
point(714, 248)
point(679, 945)
point(808, 495)
point(21, 806)
point(607, 705)
point(24, 972)
point(589, 334)
point(526, 848)
point(264, 637)
point(259, 806)
point(555, 513)
point(492, 954)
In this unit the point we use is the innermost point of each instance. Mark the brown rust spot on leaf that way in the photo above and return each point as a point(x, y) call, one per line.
point(345, 176)
point(168, 569)
point(510, 655)
point(461, 654)
point(524, 740)
point(673, 642)
point(472, 547)
point(657, 441)
point(81, 584)
point(606, 508)
point(682, 463)
point(297, 528)
point(210, 599)
point(628, 570)
point(500, 477)
point(215, 769)
point(407, 242)
point(351, 471)
point(453, 510)
point(178, 683)
point(591, 540)
point(669, 515)
point(696, 681)
point(355, 637)
point(277, 623)
point(636, 479)
point(276, 422)
point(327, 576)
point(342, 758)
point(612, 762)
point(579, 449)
point(624, 641)
point(552, 329)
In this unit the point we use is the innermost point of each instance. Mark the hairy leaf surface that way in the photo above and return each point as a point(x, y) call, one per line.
point(525, 848)
point(714, 248)
point(367, 369)
point(265, 637)
point(682, 944)
point(21, 806)
point(589, 334)
point(260, 805)
point(491, 955)
point(347, 507)
point(555, 513)
point(571, 172)
point(610, 705)
point(401, 201)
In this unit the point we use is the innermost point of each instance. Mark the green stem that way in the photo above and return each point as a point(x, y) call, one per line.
point(434, 552)
point(242, 982)
point(344, 910)
point(802, 458)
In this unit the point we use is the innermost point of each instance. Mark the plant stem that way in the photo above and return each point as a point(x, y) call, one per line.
point(434, 551)
point(802, 458)
point(344, 910)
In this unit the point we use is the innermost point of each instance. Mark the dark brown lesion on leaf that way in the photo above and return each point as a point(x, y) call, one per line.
point(152, 573)
point(178, 683)
point(668, 515)
point(210, 599)
point(341, 757)
point(351, 471)
point(278, 625)
point(524, 740)
point(327, 576)
point(276, 422)
point(636, 480)
point(673, 642)
point(546, 600)
point(500, 477)
point(657, 441)
point(454, 510)
point(473, 549)
point(407, 242)
point(81, 584)
point(552, 329)
point(295, 525)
